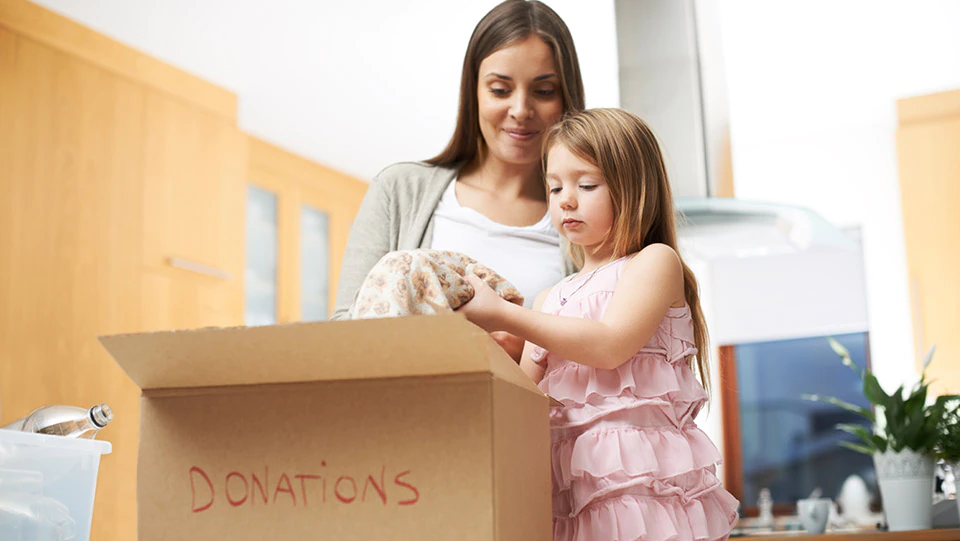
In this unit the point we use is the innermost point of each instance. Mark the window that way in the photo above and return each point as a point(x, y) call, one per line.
point(776, 439)
point(260, 275)
point(314, 264)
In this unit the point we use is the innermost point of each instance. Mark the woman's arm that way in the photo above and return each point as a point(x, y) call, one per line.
point(533, 370)
point(369, 241)
point(649, 284)
point(510, 343)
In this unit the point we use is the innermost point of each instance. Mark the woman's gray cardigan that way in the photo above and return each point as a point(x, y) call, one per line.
point(396, 214)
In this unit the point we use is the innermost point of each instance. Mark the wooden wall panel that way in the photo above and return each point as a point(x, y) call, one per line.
point(70, 201)
point(928, 146)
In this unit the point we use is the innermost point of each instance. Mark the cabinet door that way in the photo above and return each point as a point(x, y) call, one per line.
point(315, 209)
point(330, 203)
point(930, 192)
point(70, 204)
point(194, 189)
point(316, 302)
point(188, 301)
point(193, 217)
point(261, 274)
point(272, 201)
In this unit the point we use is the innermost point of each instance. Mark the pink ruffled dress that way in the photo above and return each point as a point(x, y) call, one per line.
point(629, 463)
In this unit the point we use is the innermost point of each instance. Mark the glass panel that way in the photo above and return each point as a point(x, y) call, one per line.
point(260, 275)
point(790, 444)
point(314, 264)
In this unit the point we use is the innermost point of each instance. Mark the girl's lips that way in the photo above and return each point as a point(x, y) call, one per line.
point(571, 224)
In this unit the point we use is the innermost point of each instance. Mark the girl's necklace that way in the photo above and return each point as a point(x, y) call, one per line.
point(563, 300)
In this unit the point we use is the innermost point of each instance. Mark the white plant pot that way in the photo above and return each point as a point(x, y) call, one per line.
point(955, 468)
point(906, 485)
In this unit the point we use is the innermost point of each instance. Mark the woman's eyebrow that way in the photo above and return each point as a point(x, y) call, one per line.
point(536, 79)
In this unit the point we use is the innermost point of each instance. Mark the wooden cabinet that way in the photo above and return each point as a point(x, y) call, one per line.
point(123, 189)
point(71, 139)
point(112, 165)
point(928, 148)
point(309, 208)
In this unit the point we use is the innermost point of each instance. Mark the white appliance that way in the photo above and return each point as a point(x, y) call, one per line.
point(767, 271)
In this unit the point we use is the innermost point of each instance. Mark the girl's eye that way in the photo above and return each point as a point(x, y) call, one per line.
point(554, 190)
point(499, 91)
point(588, 187)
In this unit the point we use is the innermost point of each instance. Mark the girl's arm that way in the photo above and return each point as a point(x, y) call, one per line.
point(650, 283)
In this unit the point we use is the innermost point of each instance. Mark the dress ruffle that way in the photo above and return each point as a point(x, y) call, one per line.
point(646, 381)
point(646, 375)
point(674, 340)
point(625, 452)
point(631, 517)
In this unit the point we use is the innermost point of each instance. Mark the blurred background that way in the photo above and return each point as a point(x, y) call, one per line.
point(181, 164)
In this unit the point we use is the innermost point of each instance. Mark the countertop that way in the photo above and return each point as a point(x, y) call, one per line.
point(948, 534)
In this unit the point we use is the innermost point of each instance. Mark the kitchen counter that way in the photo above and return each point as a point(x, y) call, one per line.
point(949, 534)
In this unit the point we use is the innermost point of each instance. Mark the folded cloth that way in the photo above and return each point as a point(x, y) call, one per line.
point(418, 282)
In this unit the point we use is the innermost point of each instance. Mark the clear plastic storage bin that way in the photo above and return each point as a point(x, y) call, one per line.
point(47, 486)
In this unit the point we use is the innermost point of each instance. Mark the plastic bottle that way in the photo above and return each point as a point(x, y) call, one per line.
point(765, 505)
point(68, 421)
point(34, 518)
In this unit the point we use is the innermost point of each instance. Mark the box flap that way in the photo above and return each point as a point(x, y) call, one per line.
point(505, 368)
point(304, 352)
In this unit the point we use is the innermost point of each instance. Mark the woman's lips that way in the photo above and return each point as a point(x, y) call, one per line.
point(522, 135)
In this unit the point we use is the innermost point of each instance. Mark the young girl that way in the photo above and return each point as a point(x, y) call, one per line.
point(617, 344)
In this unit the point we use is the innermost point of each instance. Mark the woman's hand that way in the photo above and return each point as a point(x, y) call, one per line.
point(485, 308)
point(510, 343)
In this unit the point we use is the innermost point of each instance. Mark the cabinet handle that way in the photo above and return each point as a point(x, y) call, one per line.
point(198, 268)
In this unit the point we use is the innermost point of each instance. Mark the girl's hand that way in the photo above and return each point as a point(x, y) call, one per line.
point(485, 308)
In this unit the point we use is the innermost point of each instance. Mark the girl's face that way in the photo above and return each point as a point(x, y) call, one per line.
point(519, 97)
point(580, 204)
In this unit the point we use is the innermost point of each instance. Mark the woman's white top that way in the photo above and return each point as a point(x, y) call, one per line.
point(526, 256)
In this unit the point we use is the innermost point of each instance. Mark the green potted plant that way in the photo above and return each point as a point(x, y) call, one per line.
point(948, 444)
point(903, 442)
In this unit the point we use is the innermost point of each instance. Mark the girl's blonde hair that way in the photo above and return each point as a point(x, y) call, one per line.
point(626, 151)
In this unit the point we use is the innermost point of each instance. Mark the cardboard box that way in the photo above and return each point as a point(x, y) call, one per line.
point(417, 428)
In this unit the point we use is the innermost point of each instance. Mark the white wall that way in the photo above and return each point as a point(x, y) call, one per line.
point(355, 85)
point(812, 89)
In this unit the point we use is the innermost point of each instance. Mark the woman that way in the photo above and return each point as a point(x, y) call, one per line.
point(483, 195)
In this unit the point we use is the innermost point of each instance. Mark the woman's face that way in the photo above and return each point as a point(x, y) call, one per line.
point(519, 98)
